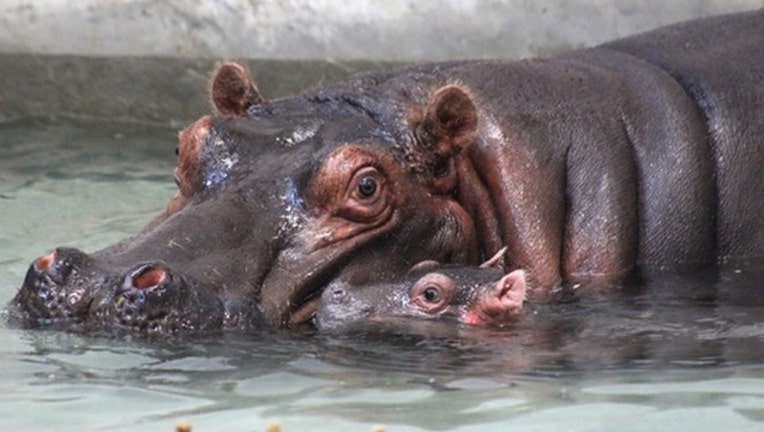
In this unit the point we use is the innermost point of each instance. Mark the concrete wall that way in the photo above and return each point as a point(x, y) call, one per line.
point(407, 30)
point(148, 60)
point(146, 89)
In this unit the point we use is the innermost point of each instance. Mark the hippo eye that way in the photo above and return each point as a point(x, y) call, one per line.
point(367, 187)
point(367, 197)
point(353, 184)
point(431, 294)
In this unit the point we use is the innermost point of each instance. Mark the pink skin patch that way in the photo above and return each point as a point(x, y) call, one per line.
point(471, 318)
point(149, 278)
point(499, 303)
point(44, 263)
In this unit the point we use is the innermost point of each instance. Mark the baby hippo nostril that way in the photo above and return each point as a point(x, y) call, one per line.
point(44, 263)
point(339, 293)
point(148, 277)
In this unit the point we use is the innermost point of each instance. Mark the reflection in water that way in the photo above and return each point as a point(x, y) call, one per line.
point(659, 347)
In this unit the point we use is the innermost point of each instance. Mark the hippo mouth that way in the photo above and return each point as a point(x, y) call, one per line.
point(291, 291)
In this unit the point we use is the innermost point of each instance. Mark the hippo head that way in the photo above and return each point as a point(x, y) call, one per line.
point(275, 200)
point(484, 295)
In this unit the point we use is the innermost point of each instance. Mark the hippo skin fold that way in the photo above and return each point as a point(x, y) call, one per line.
point(637, 155)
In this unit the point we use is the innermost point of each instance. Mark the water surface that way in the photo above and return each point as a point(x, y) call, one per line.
point(670, 352)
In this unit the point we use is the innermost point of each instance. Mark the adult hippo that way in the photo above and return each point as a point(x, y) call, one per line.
point(643, 153)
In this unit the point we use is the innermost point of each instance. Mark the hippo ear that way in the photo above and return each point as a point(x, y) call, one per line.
point(451, 115)
point(232, 90)
point(447, 126)
point(512, 288)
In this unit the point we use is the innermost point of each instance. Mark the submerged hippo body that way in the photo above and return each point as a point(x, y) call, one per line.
point(639, 154)
point(474, 296)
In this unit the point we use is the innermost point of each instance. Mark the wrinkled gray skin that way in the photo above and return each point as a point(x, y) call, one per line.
point(645, 153)
point(470, 295)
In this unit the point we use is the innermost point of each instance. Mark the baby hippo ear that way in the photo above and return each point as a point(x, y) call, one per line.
point(511, 289)
point(232, 90)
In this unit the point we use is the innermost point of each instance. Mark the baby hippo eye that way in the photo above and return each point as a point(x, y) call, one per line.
point(367, 187)
point(431, 293)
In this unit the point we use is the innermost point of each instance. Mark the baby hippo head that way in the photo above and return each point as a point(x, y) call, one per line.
point(470, 295)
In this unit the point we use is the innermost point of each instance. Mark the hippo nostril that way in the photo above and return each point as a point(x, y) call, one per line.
point(148, 277)
point(339, 293)
point(44, 263)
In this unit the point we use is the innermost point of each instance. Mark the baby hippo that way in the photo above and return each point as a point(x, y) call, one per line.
point(471, 295)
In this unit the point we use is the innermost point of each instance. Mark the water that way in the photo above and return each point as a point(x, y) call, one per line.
point(668, 353)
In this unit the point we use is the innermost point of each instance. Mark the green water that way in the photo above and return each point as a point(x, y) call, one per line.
point(672, 353)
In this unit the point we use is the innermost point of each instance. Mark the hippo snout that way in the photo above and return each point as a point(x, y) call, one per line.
point(57, 267)
point(55, 290)
point(152, 298)
point(338, 307)
point(69, 288)
point(144, 297)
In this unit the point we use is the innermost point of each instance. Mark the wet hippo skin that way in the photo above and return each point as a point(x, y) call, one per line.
point(640, 154)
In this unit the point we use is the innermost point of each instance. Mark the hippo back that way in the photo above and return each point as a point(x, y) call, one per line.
point(719, 63)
